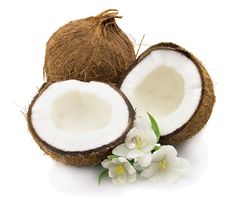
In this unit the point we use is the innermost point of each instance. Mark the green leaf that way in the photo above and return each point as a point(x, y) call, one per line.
point(154, 126)
point(110, 157)
point(102, 175)
point(156, 148)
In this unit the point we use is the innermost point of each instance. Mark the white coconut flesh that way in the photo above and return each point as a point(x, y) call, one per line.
point(166, 84)
point(79, 116)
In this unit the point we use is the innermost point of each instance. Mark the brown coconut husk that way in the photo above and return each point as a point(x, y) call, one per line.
point(94, 48)
point(78, 158)
point(205, 107)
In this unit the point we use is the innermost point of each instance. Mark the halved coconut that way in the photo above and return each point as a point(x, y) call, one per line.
point(79, 123)
point(171, 84)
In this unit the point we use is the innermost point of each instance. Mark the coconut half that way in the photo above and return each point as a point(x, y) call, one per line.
point(79, 123)
point(171, 84)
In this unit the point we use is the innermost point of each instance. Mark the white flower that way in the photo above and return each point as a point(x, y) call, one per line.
point(120, 170)
point(138, 144)
point(166, 166)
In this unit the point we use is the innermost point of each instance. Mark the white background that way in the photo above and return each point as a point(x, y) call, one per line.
point(206, 28)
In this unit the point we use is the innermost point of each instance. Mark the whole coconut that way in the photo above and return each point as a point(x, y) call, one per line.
point(94, 48)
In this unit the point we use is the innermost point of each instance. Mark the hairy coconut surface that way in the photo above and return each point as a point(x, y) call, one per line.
point(207, 100)
point(79, 158)
point(94, 48)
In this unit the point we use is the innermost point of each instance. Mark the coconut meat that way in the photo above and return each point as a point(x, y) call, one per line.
point(166, 84)
point(79, 116)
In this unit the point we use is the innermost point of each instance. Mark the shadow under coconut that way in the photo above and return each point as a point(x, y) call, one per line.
point(84, 180)
point(74, 180)
point(195, 150)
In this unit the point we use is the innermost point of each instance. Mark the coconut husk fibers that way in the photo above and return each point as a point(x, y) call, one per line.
point(78, 158)
point(90, 49)
point(204, 109)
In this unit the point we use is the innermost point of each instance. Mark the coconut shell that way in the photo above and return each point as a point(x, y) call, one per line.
point(205, 107)
point(90, 49)
point(78, 158)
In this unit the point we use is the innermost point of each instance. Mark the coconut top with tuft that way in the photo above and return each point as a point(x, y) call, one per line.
point(90, 49)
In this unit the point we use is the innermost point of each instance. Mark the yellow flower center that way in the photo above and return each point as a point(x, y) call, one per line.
point(163, 165)
point(138, 142)
point(119, 169)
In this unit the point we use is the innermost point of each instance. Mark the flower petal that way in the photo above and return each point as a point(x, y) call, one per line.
point(159, 155)
point(145, 160)
point(129, 138)
point(132, 133)
point(150, 171)
point(120, 179)
point(171, 176)
point(131, 178)
point(170, 150)
point(150, 141)
point(107, 164)
point(121, 150)
point(148, 147)
point(119, 160)
point(130, 145)
point(112, 172)
point(129, 168)
point(171, 156)
point(183, 166)
point(173, 161)
point(135, 154)
point(142, 121)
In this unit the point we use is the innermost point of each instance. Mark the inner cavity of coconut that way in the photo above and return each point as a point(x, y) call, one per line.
point(161, 91)
point(167, 84)
point(78, 116)
point(76, 112)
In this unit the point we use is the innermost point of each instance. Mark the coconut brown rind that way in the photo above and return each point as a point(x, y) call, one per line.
point(89, 157)
point(90, 49)
point(205, 107)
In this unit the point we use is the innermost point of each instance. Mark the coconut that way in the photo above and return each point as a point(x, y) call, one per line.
point(90, 49)
point(173, 85)
point(79, 123)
